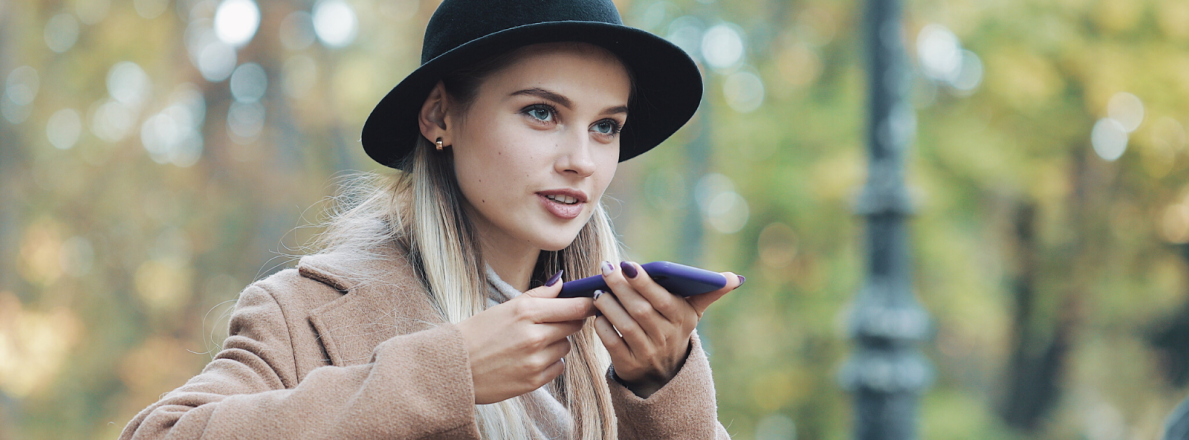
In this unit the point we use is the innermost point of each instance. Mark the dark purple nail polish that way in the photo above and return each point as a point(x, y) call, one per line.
point(742, 279)
point(597, 294)
point(628, 269)
point(554, 279)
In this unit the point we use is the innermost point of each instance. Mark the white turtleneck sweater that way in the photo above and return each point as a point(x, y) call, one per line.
point(550, 417)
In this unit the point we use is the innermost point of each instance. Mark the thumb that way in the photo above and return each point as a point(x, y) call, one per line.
point(701, 302)
point(550, 290)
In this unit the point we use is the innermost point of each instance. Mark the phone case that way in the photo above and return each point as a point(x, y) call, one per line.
point(678, 279)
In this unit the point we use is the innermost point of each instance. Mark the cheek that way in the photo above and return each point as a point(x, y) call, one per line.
point(487, 168)
point(607, 164)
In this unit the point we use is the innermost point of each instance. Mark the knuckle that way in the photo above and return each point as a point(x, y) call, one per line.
point(538, 338)
point(641, 309)
point(522, 309)
point(629, 330)
point(543, 378)
point(540, 362)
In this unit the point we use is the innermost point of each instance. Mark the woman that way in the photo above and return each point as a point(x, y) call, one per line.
point(410, 323)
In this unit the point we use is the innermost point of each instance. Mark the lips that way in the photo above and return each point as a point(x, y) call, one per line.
point(565, 204)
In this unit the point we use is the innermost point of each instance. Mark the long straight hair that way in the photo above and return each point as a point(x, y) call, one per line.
point(420, 210)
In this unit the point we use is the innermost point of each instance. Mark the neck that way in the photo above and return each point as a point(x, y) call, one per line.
point(512, 259)
point(515, 268)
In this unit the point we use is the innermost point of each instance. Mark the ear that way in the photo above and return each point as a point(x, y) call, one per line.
point(433, 115)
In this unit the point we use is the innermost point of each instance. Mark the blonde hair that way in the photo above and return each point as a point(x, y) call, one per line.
point(420, 210)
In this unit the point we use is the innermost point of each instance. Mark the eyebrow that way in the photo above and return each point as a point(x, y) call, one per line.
point(564, 101)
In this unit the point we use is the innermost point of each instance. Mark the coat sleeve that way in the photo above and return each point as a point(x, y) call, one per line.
point(415, 386)
point(685, 408)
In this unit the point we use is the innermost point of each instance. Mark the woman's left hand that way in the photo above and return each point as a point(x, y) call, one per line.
point(654, 326)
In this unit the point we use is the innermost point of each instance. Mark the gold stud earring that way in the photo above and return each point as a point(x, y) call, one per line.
point(439, 143)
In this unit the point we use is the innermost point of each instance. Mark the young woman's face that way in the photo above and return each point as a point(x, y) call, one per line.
point(540, 143)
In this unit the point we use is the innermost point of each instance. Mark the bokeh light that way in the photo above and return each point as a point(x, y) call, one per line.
point(22, 85)
point(236, 21)
point(725, 210)
point(686, 33)
point(297, 30)
point(61, 32)
point(20, 89)
point(129, 84)
point(174, 134)
point(111, 120)
point(248, 83)
point(245, 121)
point(1127, 109)
point(744, 91)
point(63, 128)
point(722, 46)
point(1109, 139)
point(335, 23)
point(940, 52)
point(652, 15)
point(970, 74)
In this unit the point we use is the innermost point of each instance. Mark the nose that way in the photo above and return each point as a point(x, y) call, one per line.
point(576, 156)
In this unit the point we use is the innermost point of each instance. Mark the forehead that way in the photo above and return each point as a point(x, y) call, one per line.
point(580, 71)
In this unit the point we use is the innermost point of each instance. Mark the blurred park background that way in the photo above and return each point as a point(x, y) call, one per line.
point(156, 156)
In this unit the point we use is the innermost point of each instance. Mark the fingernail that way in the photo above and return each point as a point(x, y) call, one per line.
point(628, 269)
point(742, 279)
point(553, 280)
point(608, 268)
point(597, 294)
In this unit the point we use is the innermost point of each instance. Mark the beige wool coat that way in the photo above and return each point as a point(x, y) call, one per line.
point(315, 354)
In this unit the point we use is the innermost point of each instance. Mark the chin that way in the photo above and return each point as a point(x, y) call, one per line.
point(556, 242)
point(553, 246)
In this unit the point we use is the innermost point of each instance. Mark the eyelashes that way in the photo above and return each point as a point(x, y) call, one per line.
point(535, 111)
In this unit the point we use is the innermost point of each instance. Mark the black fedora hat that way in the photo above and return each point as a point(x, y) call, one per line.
point(668, 84)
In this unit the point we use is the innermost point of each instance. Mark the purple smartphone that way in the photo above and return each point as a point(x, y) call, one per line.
point(676, 278)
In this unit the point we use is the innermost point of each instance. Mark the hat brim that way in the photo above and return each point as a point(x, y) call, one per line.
point(667, 89)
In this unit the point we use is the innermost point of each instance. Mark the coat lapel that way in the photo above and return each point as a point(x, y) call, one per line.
point(390, 302)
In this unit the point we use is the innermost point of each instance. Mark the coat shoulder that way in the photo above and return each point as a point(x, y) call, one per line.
point(294, 290)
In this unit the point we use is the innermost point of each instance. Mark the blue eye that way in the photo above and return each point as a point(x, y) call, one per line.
point(607, 127)
point(540, 113)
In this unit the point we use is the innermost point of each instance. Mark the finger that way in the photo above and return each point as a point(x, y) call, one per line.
point(550, 289)
point(671, 306)
point(701, 302)
point(616, 347)
point(636, 305)
point(550, 373)
point(558, 349)
point(554, 331)
point(542, 310)
point(638, 341)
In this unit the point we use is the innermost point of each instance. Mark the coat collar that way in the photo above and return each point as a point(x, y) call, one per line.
point(382, 298)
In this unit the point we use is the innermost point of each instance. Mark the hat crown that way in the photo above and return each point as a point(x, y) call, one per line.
point(457, 22)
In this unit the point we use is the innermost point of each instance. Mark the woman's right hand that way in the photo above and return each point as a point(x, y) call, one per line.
point(517, 346)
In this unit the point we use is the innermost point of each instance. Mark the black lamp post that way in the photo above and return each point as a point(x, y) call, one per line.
point(887, 372)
